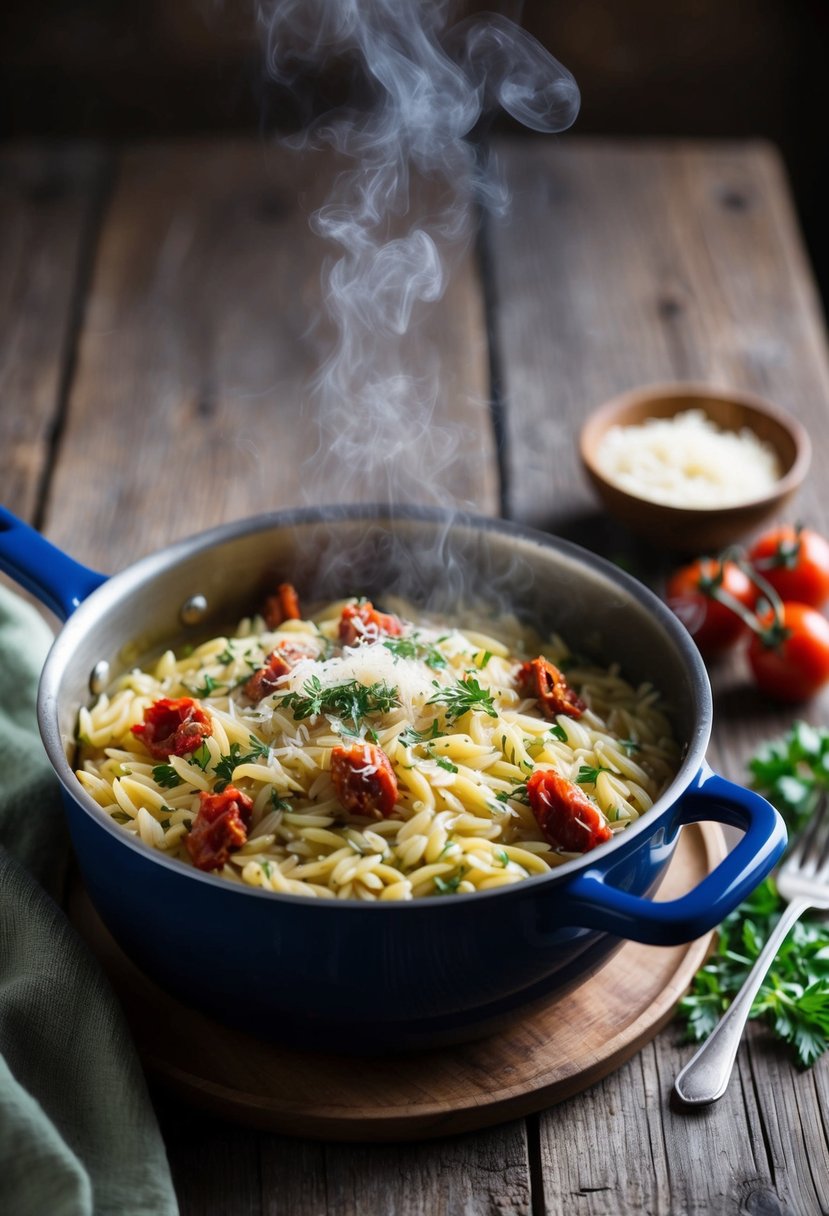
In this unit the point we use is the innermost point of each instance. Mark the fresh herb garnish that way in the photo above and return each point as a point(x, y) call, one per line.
point(518, 793)
point(411, 737)
point(503, 857)
point(201, 757)
point(794, 997)
point(166, 776)
point(413, 648)
point(465, 694)
point(350, 701)
point(225, 766)
point(448, 886)
point(481, 659)
point(631, 746)
point(277, 803)
point(208, 687)
point(442, 762)
point(558, 732)
point(227, 656)
point(589, 774)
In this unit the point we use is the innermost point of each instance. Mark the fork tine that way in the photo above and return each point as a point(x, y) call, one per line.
point(799, 856)
point(822, 864)
point(815, 841)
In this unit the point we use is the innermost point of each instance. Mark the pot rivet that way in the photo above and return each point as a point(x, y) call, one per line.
point(193, 610)
point(99, 677)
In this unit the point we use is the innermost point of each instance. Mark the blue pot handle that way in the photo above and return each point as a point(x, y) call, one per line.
point(51, 575)
point(598, 905)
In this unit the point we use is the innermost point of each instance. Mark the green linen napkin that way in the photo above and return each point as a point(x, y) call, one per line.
point(78, 1135)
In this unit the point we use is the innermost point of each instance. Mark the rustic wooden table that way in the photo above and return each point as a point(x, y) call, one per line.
point(153, 349)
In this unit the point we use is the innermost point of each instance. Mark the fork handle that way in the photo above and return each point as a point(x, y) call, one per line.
point(705, 1077)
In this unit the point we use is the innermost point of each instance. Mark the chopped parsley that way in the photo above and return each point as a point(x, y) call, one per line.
point(225, 767)
point(208, 687)
point(794, 998)
point(350, 701)
point(518, 793)
point(481, 659)
point(503, 857)
point(166, 776)
point(227, 656)
point(558, 732)
point(464, 695)
point(411, 737)
point(589, 775)
point(442, 762)
point(449, 886)
point(277, 803)
point(630, 746)
point(413, 648)
point(201, 757)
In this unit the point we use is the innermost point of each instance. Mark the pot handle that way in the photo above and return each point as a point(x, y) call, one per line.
point(56, 579)
point(598, 905)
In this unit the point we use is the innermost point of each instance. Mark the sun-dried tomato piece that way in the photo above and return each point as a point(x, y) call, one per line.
point(220, 827)
point(173, 727)
point(567, 818)
point(364, 780)
point(282, 606)
point(363, 623)
point(279, 662)
point(265, 680)
point(541, 679)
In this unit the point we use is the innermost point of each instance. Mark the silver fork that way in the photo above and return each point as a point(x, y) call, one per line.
point(803, 881)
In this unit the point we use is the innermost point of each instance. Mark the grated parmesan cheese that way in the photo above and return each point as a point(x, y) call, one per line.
point(688, 461)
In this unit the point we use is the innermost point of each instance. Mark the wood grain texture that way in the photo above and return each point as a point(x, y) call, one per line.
point(551, 1053)
point(189, 406)
point(48, 203)
point(620, 264)
point(623, 265)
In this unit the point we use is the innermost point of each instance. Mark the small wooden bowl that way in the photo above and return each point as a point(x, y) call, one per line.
point(697, 529)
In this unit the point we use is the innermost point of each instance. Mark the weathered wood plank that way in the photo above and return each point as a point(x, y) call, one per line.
point(188, 405)
point(622, 265)
point(219, 1167)
point(48, 205)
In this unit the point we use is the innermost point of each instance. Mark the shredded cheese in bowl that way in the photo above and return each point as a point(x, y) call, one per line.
point(688, 461)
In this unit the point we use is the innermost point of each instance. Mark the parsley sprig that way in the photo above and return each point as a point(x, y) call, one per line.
point(463, 695)
point(794, 998)
point(165, 776)
point(224, 768)
point(350, 701)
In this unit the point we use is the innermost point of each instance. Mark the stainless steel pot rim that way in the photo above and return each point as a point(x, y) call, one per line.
point(119, 584)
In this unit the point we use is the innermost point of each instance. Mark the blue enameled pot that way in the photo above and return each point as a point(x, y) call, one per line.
point(340, 975)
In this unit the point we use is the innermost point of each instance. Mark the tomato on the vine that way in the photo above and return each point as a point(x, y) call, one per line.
point(790, 657)
point(795, 561)
point(691, 594)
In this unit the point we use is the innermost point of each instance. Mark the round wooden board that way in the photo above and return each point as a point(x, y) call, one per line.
point(552, 1053)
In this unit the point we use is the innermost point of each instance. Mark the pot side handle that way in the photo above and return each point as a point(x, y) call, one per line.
point(56, 579)
point(598, 905)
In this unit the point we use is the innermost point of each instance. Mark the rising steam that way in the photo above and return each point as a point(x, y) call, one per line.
point(422, 88)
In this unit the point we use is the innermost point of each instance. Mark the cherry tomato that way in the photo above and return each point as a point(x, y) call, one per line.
point(796, 563)
point(691, 594)
point(792, 663)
